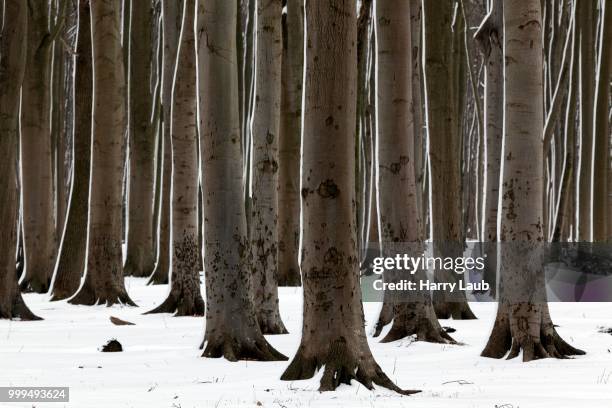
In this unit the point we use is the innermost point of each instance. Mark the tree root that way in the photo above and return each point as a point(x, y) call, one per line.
point(109, 296)
point(271, 324)
point(159, 276)
point(234, 349)
point(410, 319)
point(180, 306)
point(455, 310)
point(19, 310)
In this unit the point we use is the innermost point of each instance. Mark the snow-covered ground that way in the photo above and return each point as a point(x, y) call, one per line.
point(161, 364)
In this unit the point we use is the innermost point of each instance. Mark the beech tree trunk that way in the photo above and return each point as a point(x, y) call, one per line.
point(185, 297)
point(289, 146)
point(523, 322)
point(264, 162)
point(140, 258)
point(490, 39)
point(36, 154)
point(171, 20)
point(333, 332)
point(103, 272)
point(400, 222)
point(443, 118)
point(13, 47)
point(71, 258)
point(232, 329)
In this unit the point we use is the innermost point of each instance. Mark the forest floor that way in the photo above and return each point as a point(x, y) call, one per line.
point(161, 364)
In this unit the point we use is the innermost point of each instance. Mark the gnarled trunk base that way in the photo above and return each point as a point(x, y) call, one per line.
point(414, 318)
point(459, 310)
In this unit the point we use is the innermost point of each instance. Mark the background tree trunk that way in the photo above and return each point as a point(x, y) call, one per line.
point(289, 146)
point(36, 155)
point(104, 273)
point(264, 162)
point(13, 47)
point(523, 321)
point(140, 258)
point(333, 332)
point(71, 259)
point(232, 330)
point(185, 297)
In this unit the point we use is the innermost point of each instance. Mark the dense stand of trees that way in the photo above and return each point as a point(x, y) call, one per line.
point(281, 142)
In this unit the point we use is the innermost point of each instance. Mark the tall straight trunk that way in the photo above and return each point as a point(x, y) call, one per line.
point(140, 257)
point(171, 21)
point(232, 330)
point(395, 172)
point(36, 154)
point(586, 11)
point(264, 162)
point(185, 297)
point(416, 17)
point(523, 322)
point(601, 128)
point(442, 63)
point(289, 146)
point(333, 333)
point(71, 258)
point(103, 271)
point(490, 39)
point(13, 41)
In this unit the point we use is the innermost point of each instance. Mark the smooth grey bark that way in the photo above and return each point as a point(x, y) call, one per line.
point(232, 330)
point(36, 160)
point(140, 257)
point(185, 298)
point(442, 59)
point(399, 214)
point(264, 167)
point(104, 281)
point(289, 146)
point(171, 21)
point(523, 321)
point(71, 258)
point(13, 41)
point(333, 334)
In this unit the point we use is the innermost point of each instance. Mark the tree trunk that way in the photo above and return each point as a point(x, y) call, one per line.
point(185, 297)
point(400, 223)
point(36, 154)
point(602, 125)
point(140, 258)
point(490, 39)
point(104, 274)
point(264, 162)
point(523, 321)
point(171, 20)
point(443, 118)
point(71, 258)
point(333, 332)
point(289, 147)
point(232, 330)
point(13, 47)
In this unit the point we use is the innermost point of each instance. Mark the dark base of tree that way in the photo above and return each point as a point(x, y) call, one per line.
point(526, 327)
point(342, 364)
point(59, 294)
point(105, 295)
point(411, 319)
point(272, 324)
point(132, 268)
point(459, 310)
point(290, 278)
point(182, 305)
point(159, 276)
point(18, 310)
point(246, 348)
point(35, 284)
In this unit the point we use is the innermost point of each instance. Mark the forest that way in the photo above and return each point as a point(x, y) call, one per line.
point(223, 174)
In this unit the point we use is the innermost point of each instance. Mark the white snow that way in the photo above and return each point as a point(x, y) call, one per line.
point(161, 364)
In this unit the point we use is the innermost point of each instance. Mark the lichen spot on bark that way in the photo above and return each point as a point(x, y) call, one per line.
point(328, 189)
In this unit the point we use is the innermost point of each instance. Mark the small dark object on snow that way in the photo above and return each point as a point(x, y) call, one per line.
point(605, 330)
point(113, 346)
point(449, 329)
point(118, 322)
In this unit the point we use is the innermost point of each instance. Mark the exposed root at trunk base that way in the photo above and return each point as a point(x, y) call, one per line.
point(272, 324)
point(526, 327)
point(18, 310)
point(384, 318)
point(234, 349)
point(132, 269)
point(182, 305)
point(109, 296)
point(342, 364)
point(159, 276)
point(416, 319)
point(455, 310)
point(35, 284)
